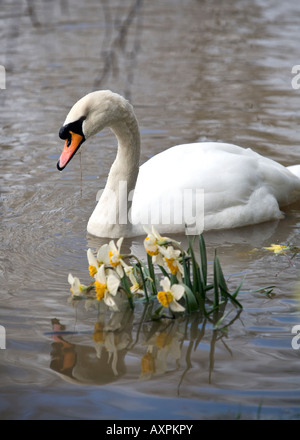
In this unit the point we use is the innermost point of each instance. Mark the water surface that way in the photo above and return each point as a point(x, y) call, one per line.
point(194, 70)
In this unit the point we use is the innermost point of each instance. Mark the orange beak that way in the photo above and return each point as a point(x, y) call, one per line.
point(69, 150)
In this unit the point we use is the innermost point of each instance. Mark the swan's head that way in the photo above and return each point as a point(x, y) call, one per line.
point(87, 117)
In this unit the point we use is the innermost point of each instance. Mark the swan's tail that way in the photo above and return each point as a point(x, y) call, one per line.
point(295, 169)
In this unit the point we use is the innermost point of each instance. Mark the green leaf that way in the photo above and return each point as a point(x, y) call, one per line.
point(216, 283)
point(197, 286)
point(192, 304)
point(203, 256)
point(235, 293)
point(187, 278)
point(220, 275)
point(164, 272)
point(140, 270)
point(156, 315)
point(126, 286)
point(152, 274)
point(227, 295)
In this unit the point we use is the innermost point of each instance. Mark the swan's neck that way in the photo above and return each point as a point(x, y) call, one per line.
point(126, 164)
point(110, 217)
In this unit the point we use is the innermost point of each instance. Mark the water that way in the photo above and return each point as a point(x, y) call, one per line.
point(194, 70)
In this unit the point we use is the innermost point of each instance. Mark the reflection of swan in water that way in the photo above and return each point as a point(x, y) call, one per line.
point(240, 186)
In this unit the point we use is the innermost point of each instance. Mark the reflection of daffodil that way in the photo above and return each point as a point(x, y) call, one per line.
point(161, 346)
point(277, 248)
point(113, 344)
point(106, 287)
point(115, 257)
point(98, 335)
point(147, 365)
point(107, 338)
point(162, 339)
point(167, 347)
point(170, 295)
point(76, 287)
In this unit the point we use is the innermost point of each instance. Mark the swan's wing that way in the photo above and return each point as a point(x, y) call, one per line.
point(238, 184)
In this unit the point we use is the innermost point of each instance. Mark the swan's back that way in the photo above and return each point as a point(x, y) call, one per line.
point(240, 187)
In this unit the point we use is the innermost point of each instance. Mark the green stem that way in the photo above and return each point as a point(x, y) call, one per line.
point(152, 274)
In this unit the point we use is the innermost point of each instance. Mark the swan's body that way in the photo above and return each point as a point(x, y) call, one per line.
point(226, 185)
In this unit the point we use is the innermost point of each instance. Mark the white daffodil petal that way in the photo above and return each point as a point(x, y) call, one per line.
point(76, 287)
point(113, 284)
point(119, 243)
point(170, 252)
point(147, 230)
point(100, 275)
point(119, 270)
point(176, 307)
point(76, 283)
point(158, 259)
point(70, 279)
point(91, 258)
point(128, 269)
point(102, 254)
point(181, 269)
point(157, 234)
point(112, 246)
point(150, 245)
point(177, 290)
point(166, 284)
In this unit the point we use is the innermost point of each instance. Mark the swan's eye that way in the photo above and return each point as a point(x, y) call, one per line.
point(69, 139)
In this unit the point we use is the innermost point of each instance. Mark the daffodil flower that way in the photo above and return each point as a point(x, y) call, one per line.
point(169, 296)
point(150, 242)
point(76, 287)
point(277, 248)
point(107, 284)
point(135, 288)
point(93, 264)
point(171, 258)
point(153, 241)
point(115, 257)
point(96, 262)
point(152, 246)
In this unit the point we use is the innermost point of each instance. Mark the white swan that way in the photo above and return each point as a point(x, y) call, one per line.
point(222, 185)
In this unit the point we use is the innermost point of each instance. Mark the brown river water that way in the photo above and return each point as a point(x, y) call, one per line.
point(194, 70)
